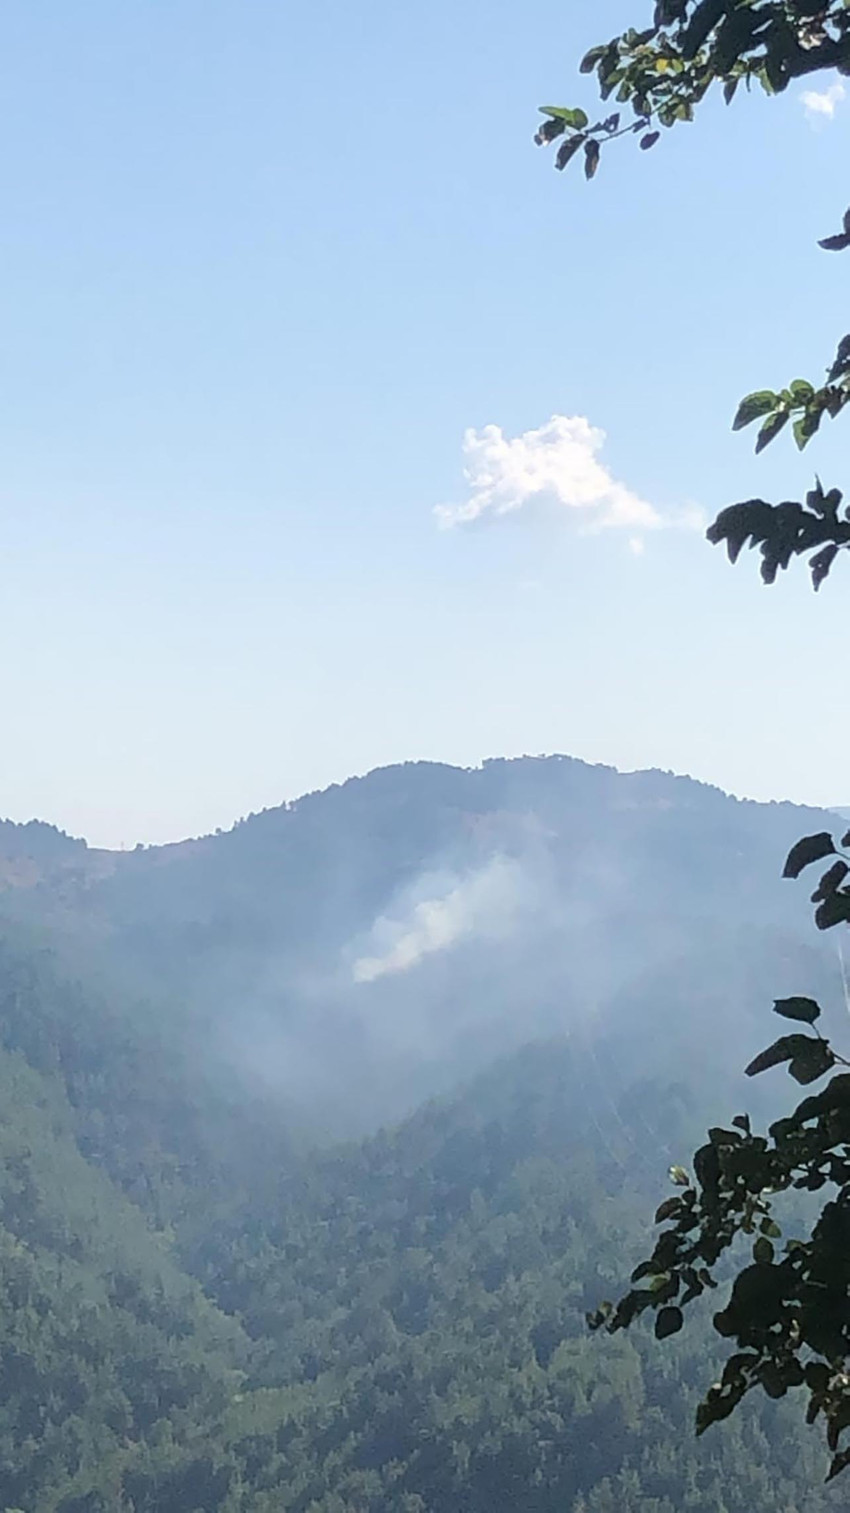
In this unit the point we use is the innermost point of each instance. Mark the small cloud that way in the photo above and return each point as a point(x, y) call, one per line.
point(559, 462)
point(822, 103)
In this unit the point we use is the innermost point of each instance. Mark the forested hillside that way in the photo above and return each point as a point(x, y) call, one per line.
point(202, 1307)
point(360, 949)
point(405, 1321)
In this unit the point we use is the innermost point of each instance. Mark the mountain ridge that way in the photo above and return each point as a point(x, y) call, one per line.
point(17, 831)
point(402, 927)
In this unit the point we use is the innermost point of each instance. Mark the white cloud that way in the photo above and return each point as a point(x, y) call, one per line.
point(560, 462)
point(482, 902)
point(818, 103)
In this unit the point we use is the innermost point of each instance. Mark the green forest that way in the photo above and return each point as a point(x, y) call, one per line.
point(204, 1306)
point(345, 1154)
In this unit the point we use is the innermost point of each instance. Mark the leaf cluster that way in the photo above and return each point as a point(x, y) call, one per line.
point(584, 137)
point(786, 530)
point(664, 71)
point(787, 1313)
point(789, 1309)
point(832, 895)
point(801, 402)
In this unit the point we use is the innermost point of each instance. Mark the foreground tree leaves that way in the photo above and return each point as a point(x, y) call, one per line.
point(783, 531)
point(832, 894)
point(668, 1321)
point(840, 242)
point(789, 1311)
point(804, 1009)
point(661, 74)
point(788, 1314)
point(807, 1059)
point(812, 848)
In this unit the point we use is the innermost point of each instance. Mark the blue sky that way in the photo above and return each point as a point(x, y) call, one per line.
point(262, 268)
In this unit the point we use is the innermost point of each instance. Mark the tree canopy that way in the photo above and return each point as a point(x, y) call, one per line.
point(788, 1314)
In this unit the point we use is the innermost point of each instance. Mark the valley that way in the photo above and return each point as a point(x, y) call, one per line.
point(320, 1136)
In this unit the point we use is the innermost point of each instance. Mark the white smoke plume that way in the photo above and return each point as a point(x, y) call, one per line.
point(453, 908)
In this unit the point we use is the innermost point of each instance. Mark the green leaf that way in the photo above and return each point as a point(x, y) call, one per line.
point(834, 910)
point(841, 366)
point(704, 19)
point(785, 1049)
point(576, 119)
point(771, 428)
point(831, 881)
point(806, 426)
point(658, 1282)
point(811, 1063)
point(649, 140)
point(549, 131)
point(591, 158)
point(590, 59)
point(812, 848)
point(839, 1463)
point(723, 1324)
point(803, 1009)
point(668, 1321)
point(820, 565)
point(754, 405)
point(763, 1251)
point(679, 1176)
point(567, 150)
point(602, 1314)
point(667, 1209)
point(815, 499)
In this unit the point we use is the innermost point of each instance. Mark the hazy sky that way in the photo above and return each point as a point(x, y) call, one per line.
point(289, 302)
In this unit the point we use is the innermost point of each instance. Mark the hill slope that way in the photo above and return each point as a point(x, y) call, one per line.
point(392, 1325)
point(361, 948)
point(199, 1311)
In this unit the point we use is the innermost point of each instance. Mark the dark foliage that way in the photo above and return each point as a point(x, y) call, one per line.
point(789, 1312)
